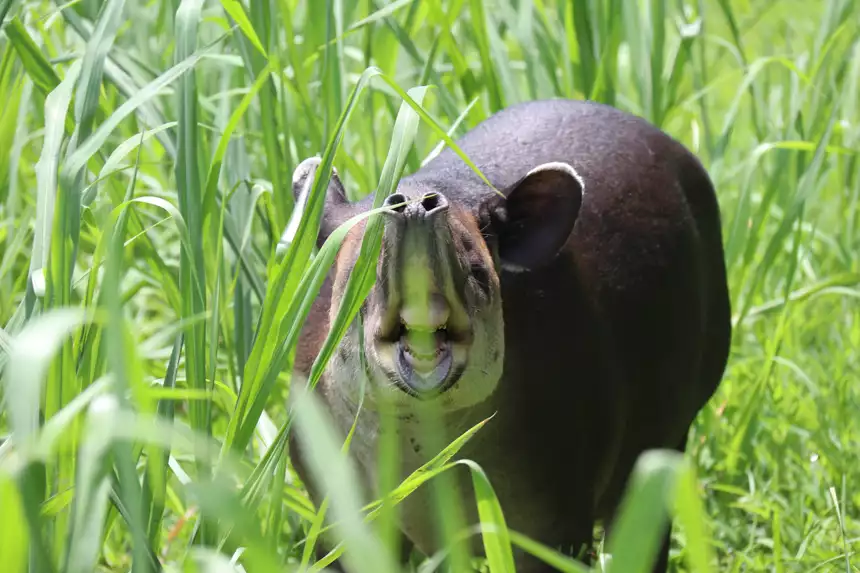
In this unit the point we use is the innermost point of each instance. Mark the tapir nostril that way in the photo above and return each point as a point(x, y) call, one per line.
point(417, 207)
point(434, 203)
point(397, 202)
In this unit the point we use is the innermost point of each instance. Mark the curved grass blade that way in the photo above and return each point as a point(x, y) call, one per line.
point(30, 359)
point(296, 313)
point(441, 145)
point(548, 555)
point(237, 12)
point(63, 384)
point(286, 274)
point(56, 110)
point(155, 479)
point(319, 518)
point(309, 288)
point(112, 163)
point(497, 544)
point(283, 284)
point(57, 429)
point(30, 356)
point(336, 476)
point(364, 273)
point(92, 68)
point(438, 129)
point(38, 67)
point(690, 515)
point(92, 483)
point(644, 511)
point(404, 134)
point(91, 146)
point(480, 26)
point(227, 133)
point(438, 464)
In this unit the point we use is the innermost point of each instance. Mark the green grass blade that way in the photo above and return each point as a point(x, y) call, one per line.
point(439, 464)
point(127, 379)
point(364, 274)
point(272, 122)
point(379, 14)
point(294, 317)
point(497, 544)
point(111, 165)
point(14, 538)
point(220, 151)
point(5, 7)
point(192, 269)
point(120, 72)
point(237, 12)
point(637, 531)
point(29, 358)
point(284, 282)
point(92, 67)
point(480, 25)
point(31, 481)
point(32, 356)
point(90, 147)
point(38, 67)
point(92, 487)
point(56, 108)
point(332, 470)
point(550, 556)
point(689, 512)
point(156, 476)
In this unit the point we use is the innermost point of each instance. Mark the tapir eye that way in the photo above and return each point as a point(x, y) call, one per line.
point(485, 222)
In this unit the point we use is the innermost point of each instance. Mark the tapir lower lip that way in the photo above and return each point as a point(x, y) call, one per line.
point(424, 384)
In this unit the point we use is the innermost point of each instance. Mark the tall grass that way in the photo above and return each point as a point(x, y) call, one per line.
point(149, 318)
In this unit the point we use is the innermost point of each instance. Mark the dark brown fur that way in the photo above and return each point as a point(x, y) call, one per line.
point(614, 345)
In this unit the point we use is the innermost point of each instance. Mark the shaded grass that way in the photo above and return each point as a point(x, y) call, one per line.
point(148, 325)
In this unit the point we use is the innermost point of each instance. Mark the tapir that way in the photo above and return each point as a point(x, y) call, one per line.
point(581, 303)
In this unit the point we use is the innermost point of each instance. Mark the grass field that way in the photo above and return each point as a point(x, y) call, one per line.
point(146, 153)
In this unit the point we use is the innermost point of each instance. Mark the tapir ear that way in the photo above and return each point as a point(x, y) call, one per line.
point(538, 216)
point(335, 211)
point(303, 181)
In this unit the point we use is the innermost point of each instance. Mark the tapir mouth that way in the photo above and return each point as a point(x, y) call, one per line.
point(424, 360)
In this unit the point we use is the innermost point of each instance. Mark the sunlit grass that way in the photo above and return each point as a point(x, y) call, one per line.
point(147, 324)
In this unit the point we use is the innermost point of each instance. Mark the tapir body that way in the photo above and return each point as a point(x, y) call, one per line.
point(587, 310)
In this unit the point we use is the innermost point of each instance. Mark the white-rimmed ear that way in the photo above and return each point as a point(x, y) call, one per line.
point(335, 202)
point(538, 216)
point(302, 181)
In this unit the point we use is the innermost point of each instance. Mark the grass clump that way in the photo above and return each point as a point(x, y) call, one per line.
point(147, 323)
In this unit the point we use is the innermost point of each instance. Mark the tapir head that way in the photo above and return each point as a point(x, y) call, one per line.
point(433, 325)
